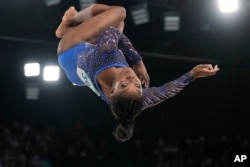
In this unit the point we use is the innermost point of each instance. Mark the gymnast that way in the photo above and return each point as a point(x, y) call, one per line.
point(93, 51)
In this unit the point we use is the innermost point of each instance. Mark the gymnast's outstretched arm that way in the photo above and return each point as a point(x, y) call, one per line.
point(156, 95)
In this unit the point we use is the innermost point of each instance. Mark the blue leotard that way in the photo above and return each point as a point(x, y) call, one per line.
point(83, 62)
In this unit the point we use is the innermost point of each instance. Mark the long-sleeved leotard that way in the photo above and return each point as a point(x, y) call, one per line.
point(83, 63)
point(156, 95)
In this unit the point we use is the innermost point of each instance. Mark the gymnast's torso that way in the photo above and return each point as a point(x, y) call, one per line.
point(83, 63)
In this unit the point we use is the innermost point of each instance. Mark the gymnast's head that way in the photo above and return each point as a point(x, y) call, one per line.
point(126, 104)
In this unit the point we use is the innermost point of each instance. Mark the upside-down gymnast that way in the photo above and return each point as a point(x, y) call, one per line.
point(94, 52)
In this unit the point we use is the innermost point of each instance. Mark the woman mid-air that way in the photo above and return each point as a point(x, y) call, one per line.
point(94, 52)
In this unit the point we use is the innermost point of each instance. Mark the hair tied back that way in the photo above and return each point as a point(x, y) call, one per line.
point(125, 121)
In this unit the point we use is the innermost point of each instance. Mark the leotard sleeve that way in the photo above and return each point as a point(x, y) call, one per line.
point(156, 95)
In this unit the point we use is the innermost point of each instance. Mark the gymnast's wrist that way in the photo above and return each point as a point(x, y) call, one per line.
point(191, 75)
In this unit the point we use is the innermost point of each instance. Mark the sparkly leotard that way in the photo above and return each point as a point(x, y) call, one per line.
point(83, 62)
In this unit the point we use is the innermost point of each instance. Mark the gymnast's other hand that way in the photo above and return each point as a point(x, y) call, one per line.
point(204, 70)
point(142, 74)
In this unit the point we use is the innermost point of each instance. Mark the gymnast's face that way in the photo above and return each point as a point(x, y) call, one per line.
point(127, 83)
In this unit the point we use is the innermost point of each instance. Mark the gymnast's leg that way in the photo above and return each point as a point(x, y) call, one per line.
point(73, 18)
point(90, 29)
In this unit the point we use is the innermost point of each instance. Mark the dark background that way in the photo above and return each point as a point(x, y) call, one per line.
point(214, 108)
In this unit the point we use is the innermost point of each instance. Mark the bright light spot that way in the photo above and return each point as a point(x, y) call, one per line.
point(51, 73)
point(31, 69)
point(228, 5)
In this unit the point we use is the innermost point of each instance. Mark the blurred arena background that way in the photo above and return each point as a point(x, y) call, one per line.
point(67, 126)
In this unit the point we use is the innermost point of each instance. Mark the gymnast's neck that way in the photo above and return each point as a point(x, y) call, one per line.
point(107, 79)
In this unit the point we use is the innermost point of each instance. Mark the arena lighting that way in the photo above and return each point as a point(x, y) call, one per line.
point(171, 21)
point(31, 69)
point(51, 73)
point(227, 6)
point(52, 2)
point(140, 14)
point(85, 3)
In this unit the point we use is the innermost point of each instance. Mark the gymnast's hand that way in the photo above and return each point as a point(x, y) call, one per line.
point(142, 74)
point(204, 70)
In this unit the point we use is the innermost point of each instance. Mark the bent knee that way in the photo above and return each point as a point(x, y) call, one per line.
point(121, 11)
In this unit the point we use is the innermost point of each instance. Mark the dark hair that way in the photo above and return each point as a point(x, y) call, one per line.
point(125, 107)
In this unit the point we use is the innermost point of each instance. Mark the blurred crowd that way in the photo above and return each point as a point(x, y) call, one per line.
point(26, 145)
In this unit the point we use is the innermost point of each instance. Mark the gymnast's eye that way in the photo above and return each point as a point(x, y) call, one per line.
point(138, 85)
point(124, 85)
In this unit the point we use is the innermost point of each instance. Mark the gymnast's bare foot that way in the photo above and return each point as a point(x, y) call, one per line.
point(67, 21)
